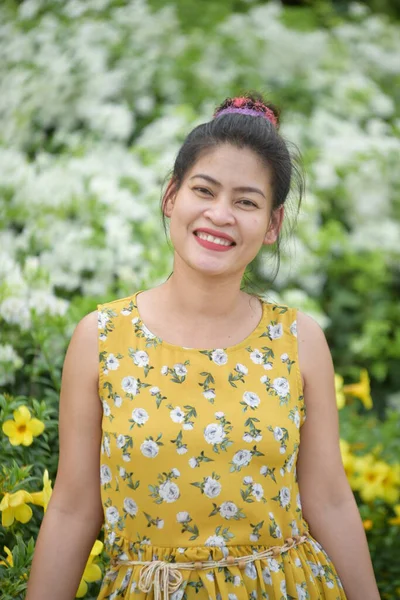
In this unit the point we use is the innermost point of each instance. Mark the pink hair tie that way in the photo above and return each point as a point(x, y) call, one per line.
point(266, 113)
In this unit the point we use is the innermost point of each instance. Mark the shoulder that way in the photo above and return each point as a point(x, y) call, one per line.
point(314, 353)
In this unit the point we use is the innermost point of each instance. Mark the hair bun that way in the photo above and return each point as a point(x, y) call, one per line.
point(250, 104)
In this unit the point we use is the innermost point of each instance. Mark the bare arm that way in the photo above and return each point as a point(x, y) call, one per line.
point(74, 515)
point(328, 502)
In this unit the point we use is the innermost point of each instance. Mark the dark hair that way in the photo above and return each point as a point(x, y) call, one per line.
point(246, 131)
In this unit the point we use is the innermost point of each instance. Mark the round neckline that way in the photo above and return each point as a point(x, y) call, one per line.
point(228, 349)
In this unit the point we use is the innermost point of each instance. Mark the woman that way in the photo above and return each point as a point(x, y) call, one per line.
point(217, 428)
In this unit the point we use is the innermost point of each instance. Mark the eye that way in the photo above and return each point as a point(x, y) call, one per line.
point(202, 190)
point(251, 203)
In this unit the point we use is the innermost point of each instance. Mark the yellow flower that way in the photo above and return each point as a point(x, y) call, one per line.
point(9, 562)
point(361, 389)
point(92, 571)
point(22, 429)
point(340, 397)
point(13, 506)
point(396, 519)
point(371, 475)
point(391, 484)
point(368, 524)
point(43, 498)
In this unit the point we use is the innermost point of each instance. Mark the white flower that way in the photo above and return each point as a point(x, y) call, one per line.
point(283, 587)
point(188, 426)
point(160, 523)
point(214, 433)
point(169, 491)
point(130, 385)
point(298, 501)
point(247, 480)
point(278, 532)
point(257, 491)
point(135, 320)
point(212, 487)
point(242, 457)
point(154, 390)
point(284, 357)
point(273, 565)
point(106, 409)
point(301, 592)
point(193, 462)
point(257, 357)
point(215, 540)
point(330, 584)
point(278, 433)
point(209, 394)
point(140, 415)
point(147, 333)
point(284, 496)
point(232, 597)
point(102, 337)
point(111, 537)
point(125, 312)
point(141, 358)
point(297, 419)
point(105, 474)
point(219, 414)
point(236, 580)
point(295, 529)
point(178, 595)
point(126, 457)
point(120, 441)
point(177, 415)
point(182, 516)
point(253, 537)
point(149, 448)
point(266, 575)
point(180, 369)
point(182, 449)
point(250, 570)
point(219, 357)
point(251, 399)
point(112, 515)
point(241, 369)
point(281, 386)
point(117, 400)
point(264, 379)
point(228, 510)
point(210, 576)
point(268, 366)
point(164, 370)
point(293, 328)
point(102, 319)
point(175, 472)
point(122, 471)
point(275, 331)
point(130, 506)
point(112, 363)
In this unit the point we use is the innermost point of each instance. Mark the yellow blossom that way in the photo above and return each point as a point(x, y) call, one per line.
point(13, 506)
point(340, 397)
point(396, 519)
point(92, 571)
point(22, 428)
point(368, 524)
point(361, 390)
point(391, 484)
point(370, 477)
point(9, 562)
point(43, 498)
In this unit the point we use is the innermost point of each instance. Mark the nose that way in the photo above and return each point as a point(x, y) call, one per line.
point(220, 212)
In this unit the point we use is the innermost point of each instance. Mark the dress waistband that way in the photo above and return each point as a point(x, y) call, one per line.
point(166, 577)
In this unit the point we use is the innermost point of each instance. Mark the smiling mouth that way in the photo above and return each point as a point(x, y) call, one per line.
point(219, 241)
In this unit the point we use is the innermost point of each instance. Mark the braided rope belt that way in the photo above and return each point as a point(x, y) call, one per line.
point(166, 577)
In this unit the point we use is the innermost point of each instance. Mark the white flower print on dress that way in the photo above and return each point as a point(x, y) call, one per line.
point(268, 366)
point(112, 363)
point(106, 409)
point(112, 515)
point(209, 394)
point(164, 370)
point(275, 331)
point(242, 458)
point(182, 516)
point(140, 358)
point(180, 369)
point(154, 390)
point(257, 491)
point(273, 565)
point(130, 385)
point(228, 510)
point(212, 487)
point(177, 415)
point(281, 386)
point(284, 357)
point(219, 357)
point(117, 401)
point(140, 416)
point(278, 433)
point(149, 448)
point(215, 540)
point(247, 480)
point(120, 441)
point(102, 319)
point(169, 491)
point(284, 495)
point(130, 506)
point(301, 592)
point(214, 433)
point(251, 399)
point(147, 333)
point(193, 462)
point(256, 356)
point(293, 328)
point(266, 575)
point(241, 368)
point(105, 474)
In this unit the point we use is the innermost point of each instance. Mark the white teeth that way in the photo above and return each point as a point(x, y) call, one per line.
point(211, 238)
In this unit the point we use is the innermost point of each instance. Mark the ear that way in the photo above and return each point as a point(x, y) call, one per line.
point(275, 225)
point(169, 198)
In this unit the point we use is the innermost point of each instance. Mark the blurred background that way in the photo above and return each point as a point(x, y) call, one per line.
point(95, 98)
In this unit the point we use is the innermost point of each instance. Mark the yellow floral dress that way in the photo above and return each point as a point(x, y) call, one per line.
point(198, 465)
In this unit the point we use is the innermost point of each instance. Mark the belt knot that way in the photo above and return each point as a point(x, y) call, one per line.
point(165, 577)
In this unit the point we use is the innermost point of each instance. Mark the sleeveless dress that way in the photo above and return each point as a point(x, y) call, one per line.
point(198, 465)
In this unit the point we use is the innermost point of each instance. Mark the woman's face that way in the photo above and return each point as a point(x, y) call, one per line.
point(216, 194)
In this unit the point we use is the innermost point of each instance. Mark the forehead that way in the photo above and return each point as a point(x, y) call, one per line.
point(232, 166)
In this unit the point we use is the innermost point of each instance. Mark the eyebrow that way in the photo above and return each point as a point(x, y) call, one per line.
point(236, 189)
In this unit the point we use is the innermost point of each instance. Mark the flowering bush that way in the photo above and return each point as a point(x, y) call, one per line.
point(95, 99)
